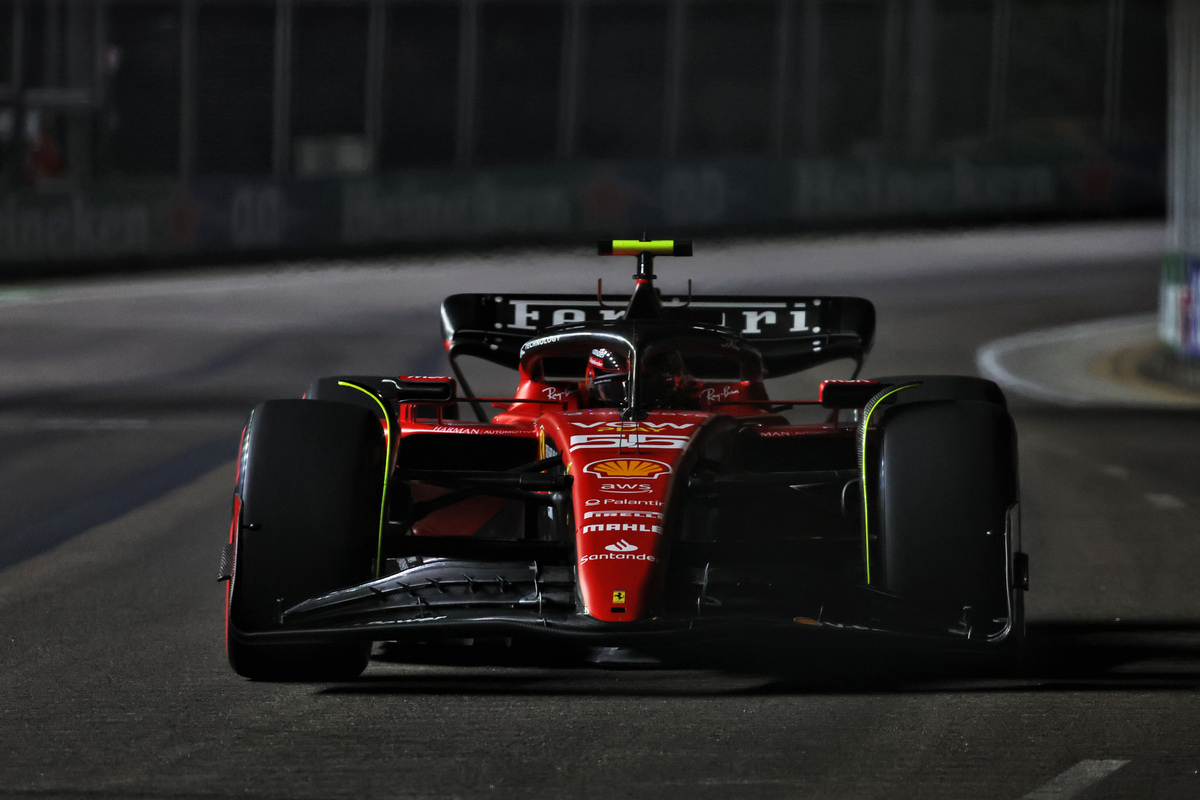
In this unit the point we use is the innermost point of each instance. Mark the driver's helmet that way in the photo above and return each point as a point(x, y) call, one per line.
point(608, 377)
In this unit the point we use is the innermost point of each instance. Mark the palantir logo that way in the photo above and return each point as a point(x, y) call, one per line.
point(621, 547)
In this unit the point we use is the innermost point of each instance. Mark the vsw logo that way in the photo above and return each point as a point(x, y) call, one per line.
point(621, 547)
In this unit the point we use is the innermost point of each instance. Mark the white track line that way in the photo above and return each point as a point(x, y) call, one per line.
point(1168, 502)
point(990, 357)
point(1079, 777)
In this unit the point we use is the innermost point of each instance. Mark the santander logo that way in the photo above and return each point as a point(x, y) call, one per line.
point(620, 551)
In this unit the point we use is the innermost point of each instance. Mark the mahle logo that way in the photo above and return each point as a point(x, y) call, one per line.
point(627, 468)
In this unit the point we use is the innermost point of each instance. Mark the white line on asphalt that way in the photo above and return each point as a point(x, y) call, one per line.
point(990, 356)
point(82, 424)
point(11, 296)
point(1079, 777)
point(1167, 502)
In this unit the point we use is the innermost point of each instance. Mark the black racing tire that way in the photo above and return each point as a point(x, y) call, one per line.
point(311, 489)
point(331, 389)
point(947, 477)
point(944, 387)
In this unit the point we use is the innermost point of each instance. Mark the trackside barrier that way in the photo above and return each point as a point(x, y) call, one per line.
point(230, 216)
point(1178, 309)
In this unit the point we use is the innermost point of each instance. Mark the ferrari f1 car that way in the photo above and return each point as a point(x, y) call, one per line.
point(638, 489)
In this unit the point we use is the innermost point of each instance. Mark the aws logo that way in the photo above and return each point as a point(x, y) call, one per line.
point(626, 488)
point(627, 468)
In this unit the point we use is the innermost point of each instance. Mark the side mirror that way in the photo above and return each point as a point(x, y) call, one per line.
point(847, 394)
point(418, 389)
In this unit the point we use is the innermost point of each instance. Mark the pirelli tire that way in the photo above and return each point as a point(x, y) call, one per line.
point(335, 390)
point(362, 390)
point(311, 487)
point(944, 387)
point(946, 482)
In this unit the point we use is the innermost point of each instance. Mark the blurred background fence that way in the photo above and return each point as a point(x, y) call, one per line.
point(190, 127)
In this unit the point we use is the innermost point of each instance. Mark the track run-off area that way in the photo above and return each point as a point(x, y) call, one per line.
point(120, 403)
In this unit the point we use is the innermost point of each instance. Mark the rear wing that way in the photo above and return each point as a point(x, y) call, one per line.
point(792, 333)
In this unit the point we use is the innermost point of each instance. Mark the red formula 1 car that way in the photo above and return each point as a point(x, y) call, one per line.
point(639, 489)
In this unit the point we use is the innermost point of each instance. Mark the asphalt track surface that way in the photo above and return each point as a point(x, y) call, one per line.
point(119, 405)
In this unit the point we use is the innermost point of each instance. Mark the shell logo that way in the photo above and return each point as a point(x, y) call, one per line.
point(627, 468)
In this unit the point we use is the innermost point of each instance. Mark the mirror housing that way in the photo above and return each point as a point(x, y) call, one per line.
point(847, 394)
point(419, 389)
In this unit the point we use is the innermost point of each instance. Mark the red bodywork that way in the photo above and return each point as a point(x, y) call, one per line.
point(625, 477)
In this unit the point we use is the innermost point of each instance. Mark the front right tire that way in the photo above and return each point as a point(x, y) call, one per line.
point(311, 489)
